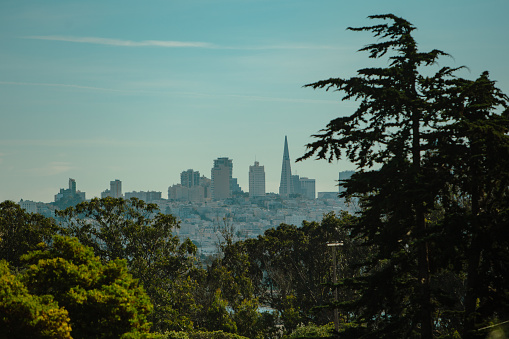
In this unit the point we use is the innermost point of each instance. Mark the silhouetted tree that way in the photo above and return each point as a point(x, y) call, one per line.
point(403, 136)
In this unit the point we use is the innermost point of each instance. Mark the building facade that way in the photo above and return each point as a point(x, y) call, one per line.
point(307, 188)
point(147, 196)
point(116, 189)
point(285, 185)
point(221, 175)
point(256, 180)
point(190, 178)
point(70, 193)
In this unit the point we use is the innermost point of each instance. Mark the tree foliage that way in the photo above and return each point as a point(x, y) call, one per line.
point(24, 315)
point(103, 300)
point(138, 233)
point(289, 271)
point(20, 232)
point(425, 144)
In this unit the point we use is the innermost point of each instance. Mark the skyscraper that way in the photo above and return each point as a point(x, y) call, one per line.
point(221, 175)
point(256, 180)
point(285, 186)
point(307, 187)
point(72, 186)
point(190, 178)
point(116, 189)
point(70, 194)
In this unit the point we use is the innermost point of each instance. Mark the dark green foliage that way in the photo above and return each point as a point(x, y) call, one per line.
point(312, 331)
point(201, 335)
point(20, 232)
point(431, 152)
point(291, 267)
point(214, 335)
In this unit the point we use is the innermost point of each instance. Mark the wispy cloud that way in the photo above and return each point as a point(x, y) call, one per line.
point(174, 44)
point(123, 43)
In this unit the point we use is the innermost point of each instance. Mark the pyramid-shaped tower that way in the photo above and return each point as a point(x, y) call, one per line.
point(285, 186)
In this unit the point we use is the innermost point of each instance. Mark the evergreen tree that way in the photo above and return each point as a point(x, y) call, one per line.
point(400, 139)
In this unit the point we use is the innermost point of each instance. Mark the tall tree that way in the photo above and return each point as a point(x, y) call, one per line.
point(387, 137)
point(472, 160)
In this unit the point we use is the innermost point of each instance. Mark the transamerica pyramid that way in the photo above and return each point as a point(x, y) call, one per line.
point(285, 186)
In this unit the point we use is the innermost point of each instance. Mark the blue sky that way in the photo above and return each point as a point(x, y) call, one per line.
point(142, 90)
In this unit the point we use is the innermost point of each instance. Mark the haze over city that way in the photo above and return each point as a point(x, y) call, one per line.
point(141, 91)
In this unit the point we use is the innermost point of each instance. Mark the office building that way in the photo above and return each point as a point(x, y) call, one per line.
point(296, 191)
point(307, 188)
point(285, 185)
point(190, 178)
point(221, 175)
point(256, 180)
point(70, 194)
point(28, 205)
point(116, 189)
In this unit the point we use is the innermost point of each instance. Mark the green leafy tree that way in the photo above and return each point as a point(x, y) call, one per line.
point(218, 316)
point(23, 315)
point(291, 269)
point(138, 233)
point(20, 232)
point(226, 291)
point(103, 300)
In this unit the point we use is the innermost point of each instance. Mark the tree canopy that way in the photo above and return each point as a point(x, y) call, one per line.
point(138, 233)
point(425, 143)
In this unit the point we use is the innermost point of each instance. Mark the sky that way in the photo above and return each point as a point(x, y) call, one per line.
point(142, 90)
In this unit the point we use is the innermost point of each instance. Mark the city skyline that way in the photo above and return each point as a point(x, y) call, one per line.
point(190, 178)
point(97, 91)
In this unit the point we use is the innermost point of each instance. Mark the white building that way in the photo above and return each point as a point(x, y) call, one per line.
point(29, 206)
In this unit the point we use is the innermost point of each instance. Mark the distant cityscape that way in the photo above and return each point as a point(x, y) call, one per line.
point(203, 204)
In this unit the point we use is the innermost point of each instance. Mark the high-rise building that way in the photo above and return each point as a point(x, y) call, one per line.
point(72, 186)
point(256, 180)
point(190, 178)
point(106, 193)
point(70, 194)
point(285, 186)
point(116, 189)
point(221, 175)
point(307, 188)
point(296, 185)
